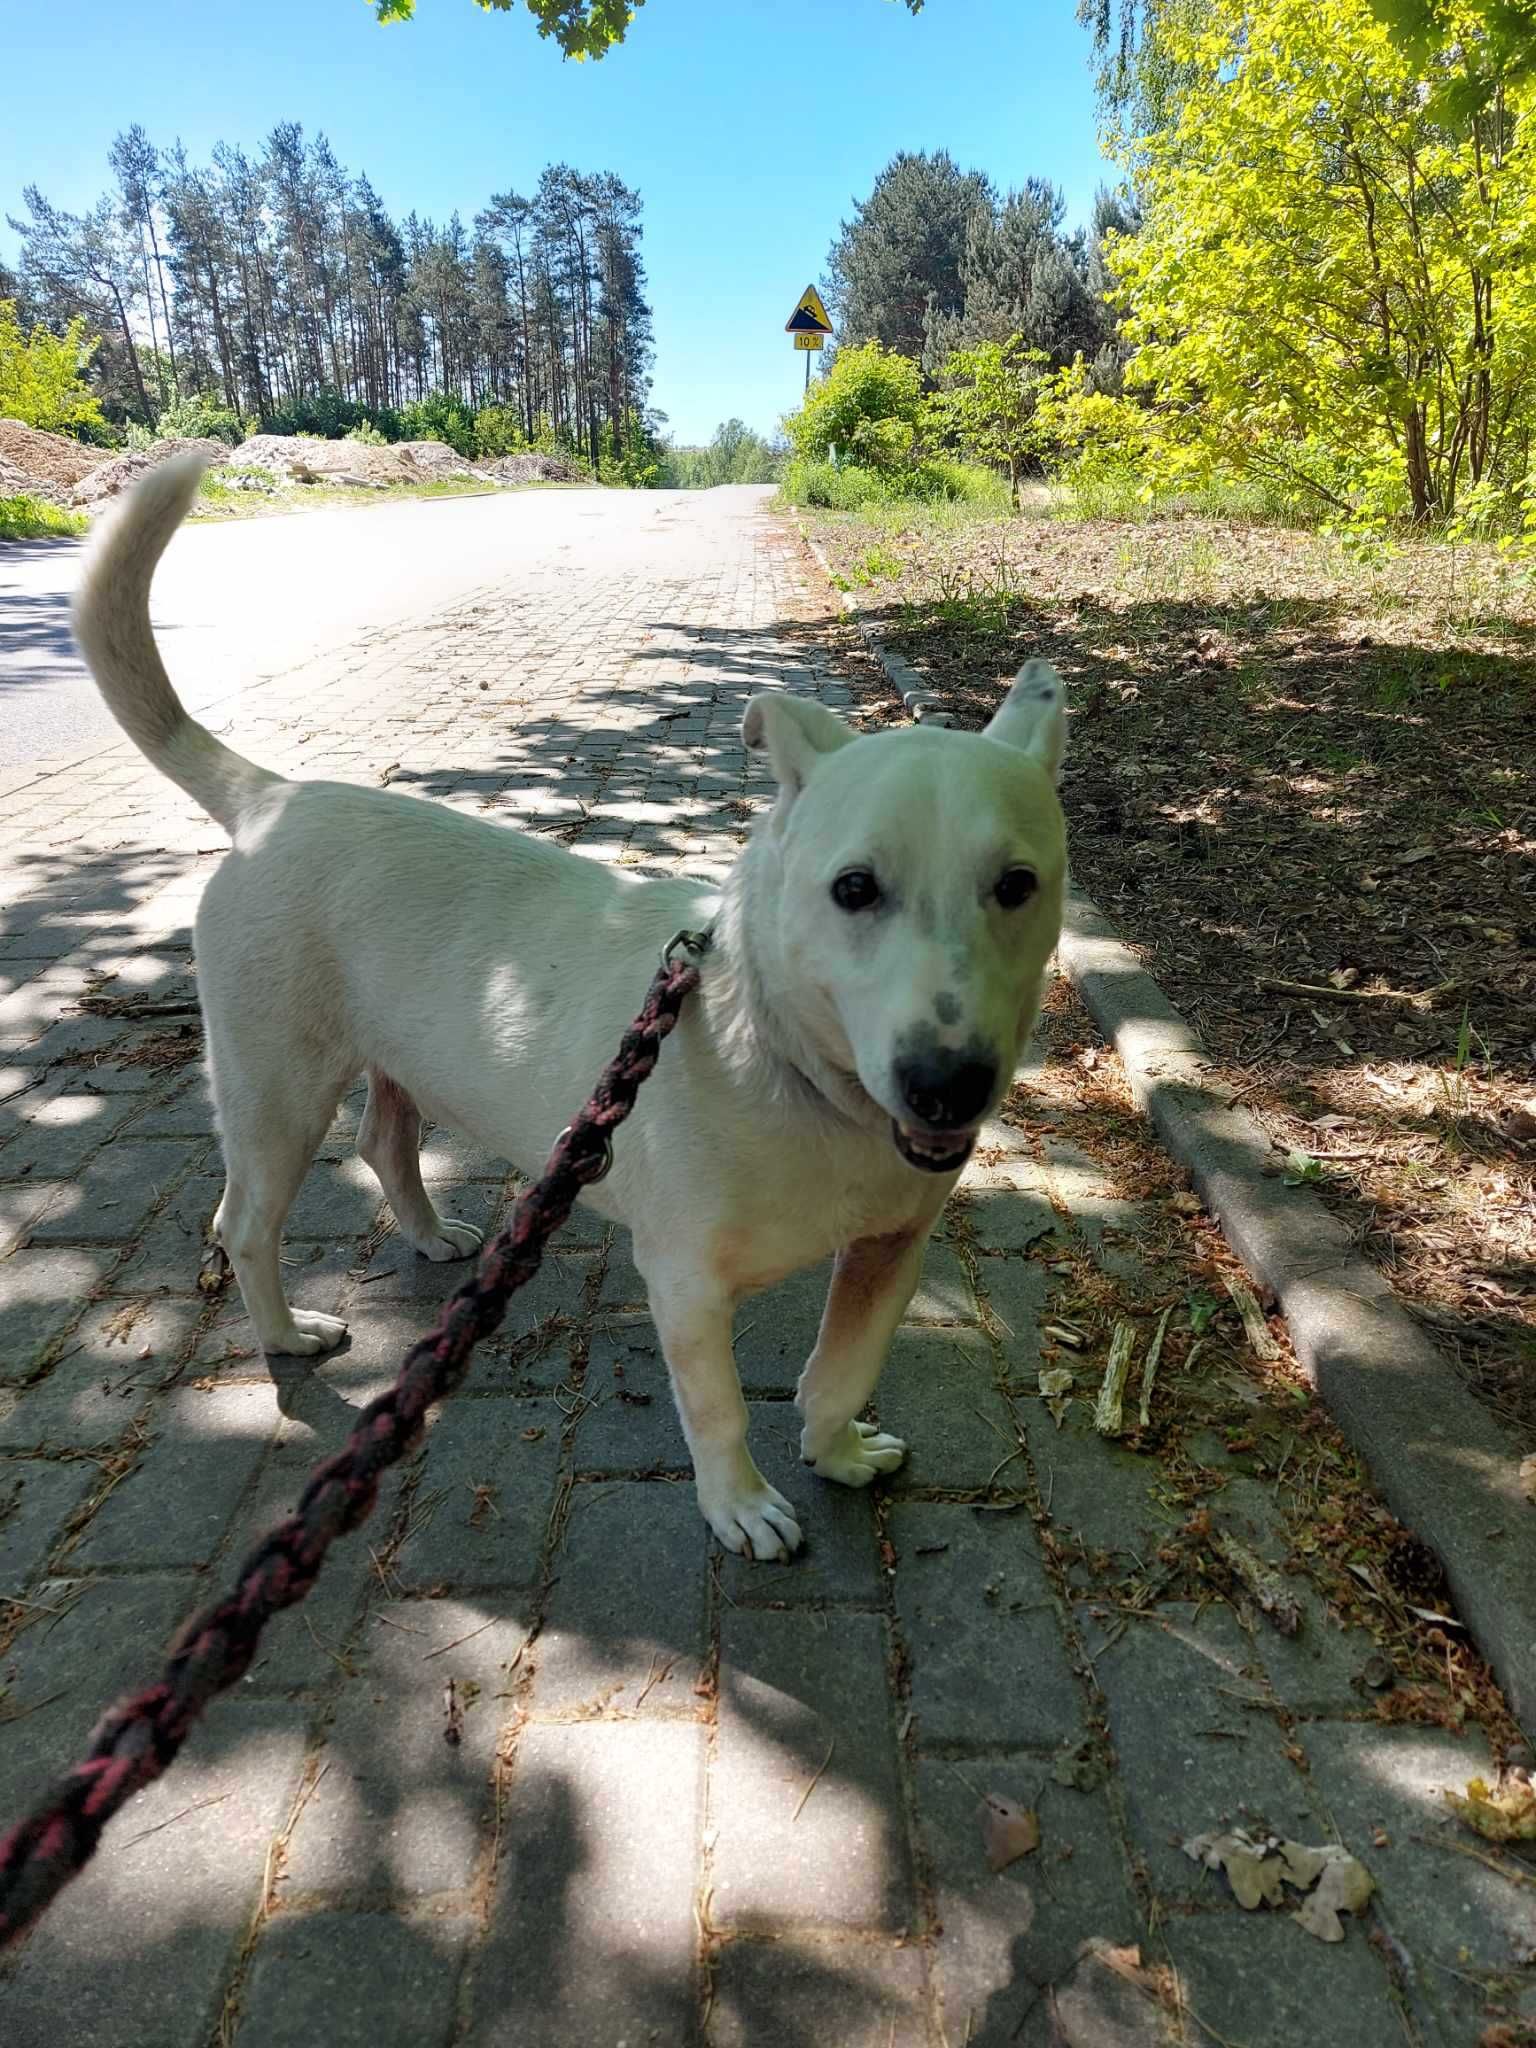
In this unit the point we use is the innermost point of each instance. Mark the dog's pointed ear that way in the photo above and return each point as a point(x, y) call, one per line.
point(794, 732)
point(1033, 716)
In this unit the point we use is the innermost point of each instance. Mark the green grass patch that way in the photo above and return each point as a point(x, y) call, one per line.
point(36, 519)
point(964, 491)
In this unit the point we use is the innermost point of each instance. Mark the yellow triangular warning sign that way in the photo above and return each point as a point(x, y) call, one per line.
point(810, 316)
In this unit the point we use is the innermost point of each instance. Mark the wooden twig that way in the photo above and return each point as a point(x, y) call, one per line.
point(1266, 1585)
point(814, 1782)
point(1108, 1415)
point(1329, 993)
point(1246, 1304)
point(469, 1638)
point(1149, 1370)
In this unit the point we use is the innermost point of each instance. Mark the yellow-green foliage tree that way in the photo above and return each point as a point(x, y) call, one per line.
point(987, 403)
point(40, 380)
point(1335, 285)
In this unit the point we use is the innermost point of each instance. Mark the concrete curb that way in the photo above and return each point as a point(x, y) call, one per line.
point(1441, 1462)
point(914, 693)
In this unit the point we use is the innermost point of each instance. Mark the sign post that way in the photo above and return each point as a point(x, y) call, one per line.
point(809, 325)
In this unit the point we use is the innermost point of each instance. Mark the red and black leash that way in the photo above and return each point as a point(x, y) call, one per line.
point(139, 1737)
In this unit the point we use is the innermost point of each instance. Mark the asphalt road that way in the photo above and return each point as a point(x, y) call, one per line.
point(235, 604)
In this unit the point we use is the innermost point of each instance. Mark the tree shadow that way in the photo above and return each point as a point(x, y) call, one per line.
point(36, 642)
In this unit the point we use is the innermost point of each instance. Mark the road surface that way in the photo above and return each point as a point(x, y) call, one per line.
point(239, 603)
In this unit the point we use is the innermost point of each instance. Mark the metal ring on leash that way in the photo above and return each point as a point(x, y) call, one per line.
point(596, 1166)
point(696, 943)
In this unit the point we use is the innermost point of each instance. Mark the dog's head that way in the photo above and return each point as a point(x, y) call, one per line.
point(920, 878)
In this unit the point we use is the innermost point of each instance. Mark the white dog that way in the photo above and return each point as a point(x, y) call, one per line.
point(876, 969)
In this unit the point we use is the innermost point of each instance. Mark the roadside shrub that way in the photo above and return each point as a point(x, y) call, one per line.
point(849, 487)
point(823, 484)
point(366, 435)
point(499, 431)
point(329, 415)
point(200, 418)
point(440, 416)
point(35, 519)
point(866, 407)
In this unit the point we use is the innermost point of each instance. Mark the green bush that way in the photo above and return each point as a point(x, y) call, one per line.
point(330, 416)
point(366, 435)
point(851, 488)
point(961, 483)
point(200, 418)
point(499, 431)
point(440, 416)
point(35, 519)
point(866, 407)
point(823, 484)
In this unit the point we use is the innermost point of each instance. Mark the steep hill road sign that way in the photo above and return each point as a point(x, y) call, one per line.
point(809, 316)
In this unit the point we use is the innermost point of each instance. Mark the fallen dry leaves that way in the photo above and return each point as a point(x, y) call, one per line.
point(1262, 1869)
point(1505, 1815)
point(1008, 1831)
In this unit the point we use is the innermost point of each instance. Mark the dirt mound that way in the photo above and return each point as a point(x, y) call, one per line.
point(536, 469)
point(428, 461)
point(124, 470)
point(53, 462)
point(304, 458)
point(15, 482)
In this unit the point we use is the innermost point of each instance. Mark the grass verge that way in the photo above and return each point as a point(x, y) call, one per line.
point(36, 519)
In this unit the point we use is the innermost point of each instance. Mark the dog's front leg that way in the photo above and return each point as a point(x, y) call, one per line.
point(873, 1279)
point(693, 1319)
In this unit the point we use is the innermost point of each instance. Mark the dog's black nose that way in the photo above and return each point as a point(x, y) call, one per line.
point(945, 1090)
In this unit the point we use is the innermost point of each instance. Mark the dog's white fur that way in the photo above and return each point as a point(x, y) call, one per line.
point(483, 978)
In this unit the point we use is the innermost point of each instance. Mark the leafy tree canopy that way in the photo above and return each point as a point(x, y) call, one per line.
point(582, 28)
point(1332, 285)
point(40, 375)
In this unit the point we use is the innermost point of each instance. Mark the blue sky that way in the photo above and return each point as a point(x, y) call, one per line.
point(750, 126)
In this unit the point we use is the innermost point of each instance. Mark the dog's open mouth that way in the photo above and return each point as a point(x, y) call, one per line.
point(933, 1151)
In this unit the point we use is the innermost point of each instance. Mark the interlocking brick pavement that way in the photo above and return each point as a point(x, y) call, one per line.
point(694, 1800)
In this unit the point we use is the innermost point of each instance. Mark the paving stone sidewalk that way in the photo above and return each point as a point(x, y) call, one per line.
point(693, 1800)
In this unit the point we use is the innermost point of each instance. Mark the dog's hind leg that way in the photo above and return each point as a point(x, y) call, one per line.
point(389, 1139)
point(271, 1119)
point(693, 1321)
point(872, 1282)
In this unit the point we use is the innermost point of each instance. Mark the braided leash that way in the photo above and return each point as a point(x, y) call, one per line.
point(138, 1738)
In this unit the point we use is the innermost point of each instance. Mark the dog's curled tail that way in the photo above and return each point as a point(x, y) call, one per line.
point(111, 620)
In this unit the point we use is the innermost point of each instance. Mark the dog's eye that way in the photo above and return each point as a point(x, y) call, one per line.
point(1015, 886)
point(856, 889)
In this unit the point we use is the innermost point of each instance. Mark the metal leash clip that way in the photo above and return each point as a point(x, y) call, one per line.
point(589, 1171)
point(696, 943)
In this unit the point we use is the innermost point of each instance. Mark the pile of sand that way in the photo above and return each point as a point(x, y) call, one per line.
point(304, 459)
point(51, 463)
point(16, 483)
point(121, 472)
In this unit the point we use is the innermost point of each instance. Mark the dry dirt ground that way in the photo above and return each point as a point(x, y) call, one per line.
point(1301, 780)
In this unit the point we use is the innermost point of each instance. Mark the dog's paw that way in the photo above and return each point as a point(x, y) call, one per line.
point(856, 1455)
point(310, 1333)
point(752, 1520)
point(454, 1240)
